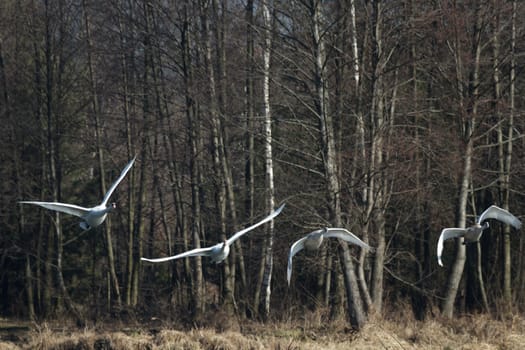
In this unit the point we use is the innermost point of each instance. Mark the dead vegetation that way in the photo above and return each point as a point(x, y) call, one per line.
point(467, 332)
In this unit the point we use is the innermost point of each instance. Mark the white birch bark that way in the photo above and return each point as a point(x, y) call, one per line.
point(268, 269)
point(360, 161)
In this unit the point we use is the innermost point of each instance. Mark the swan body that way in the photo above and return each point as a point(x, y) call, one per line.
point(94, 216)
point(219, 251)
point(313, 240)
point(473, 233)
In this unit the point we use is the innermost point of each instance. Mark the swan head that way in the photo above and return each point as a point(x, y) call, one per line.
point(84, 225)
point(478, 225)
point(112, 206)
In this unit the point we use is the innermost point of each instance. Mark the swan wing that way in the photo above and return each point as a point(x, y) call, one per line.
point(115, 184)
point(237, 235)
point(294, 249)
point(447, 233)
point(495, 212)
point(62, 207)
point(345, 235)
point(194, 252)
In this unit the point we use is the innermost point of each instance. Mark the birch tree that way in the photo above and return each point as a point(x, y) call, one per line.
point(270, 190)
point(360, 160)
point(467, 104)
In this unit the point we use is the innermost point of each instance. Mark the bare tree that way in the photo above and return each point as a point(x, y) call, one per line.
point(324, 114)
point(270, 187)
point(100, 156)
point(468, 100)
point(505, 136)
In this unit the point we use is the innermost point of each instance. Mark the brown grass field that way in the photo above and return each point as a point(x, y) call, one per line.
point(472, 332)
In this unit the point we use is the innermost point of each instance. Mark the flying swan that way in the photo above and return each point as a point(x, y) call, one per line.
point(313, 241)
point(92, 217)
point(219, 251)
point(473, 233)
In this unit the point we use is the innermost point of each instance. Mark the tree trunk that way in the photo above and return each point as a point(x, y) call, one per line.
point(359, 160)
point(355, 308)
point(95, 111)
point(481, 281)
point(270, 191)
point(55, 180)
point(421, 266)
point(377, 196)
point(504, 156)
point(44, 244)
point(196, 278)
point(520, 285)
point(192, 267)
point(196, 270)
point(461, 217)
point(52, 88)
point(250, 113)
point(222, 179)
point(29, 290)
point(126, 111)
point(250, 102)
point(15, 170)
point(40, 257)
point(468, 125)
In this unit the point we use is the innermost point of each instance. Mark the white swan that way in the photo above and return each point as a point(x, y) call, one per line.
point(473, 233)
point(219, 251)
point(92, 216)
point(313, 241)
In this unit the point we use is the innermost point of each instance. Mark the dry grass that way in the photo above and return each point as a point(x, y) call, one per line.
point(312, 332)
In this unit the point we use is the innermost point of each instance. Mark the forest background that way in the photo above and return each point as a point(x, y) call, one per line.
point(393, 119)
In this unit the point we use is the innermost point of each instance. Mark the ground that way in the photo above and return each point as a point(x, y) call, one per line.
point(466, 332)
